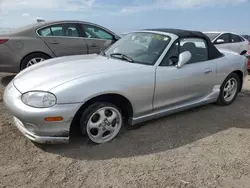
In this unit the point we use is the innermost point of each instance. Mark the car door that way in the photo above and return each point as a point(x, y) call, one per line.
point(97, 38)
point(178, 87)
point(64, 39)
point(237, 44)
point(244, 44)
point(226, 37)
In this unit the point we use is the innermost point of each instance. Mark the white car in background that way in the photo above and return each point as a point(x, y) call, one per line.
point(123, 34)
point(230, 41)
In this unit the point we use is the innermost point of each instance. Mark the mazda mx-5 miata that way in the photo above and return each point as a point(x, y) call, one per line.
point(147, 74)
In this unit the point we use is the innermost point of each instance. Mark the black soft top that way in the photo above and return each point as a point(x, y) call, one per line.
point(213, 52)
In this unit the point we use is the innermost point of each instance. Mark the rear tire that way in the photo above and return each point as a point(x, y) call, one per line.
point(229, 90)
point(33, 58)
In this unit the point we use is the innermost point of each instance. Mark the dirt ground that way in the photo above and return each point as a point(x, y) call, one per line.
point(204, 147)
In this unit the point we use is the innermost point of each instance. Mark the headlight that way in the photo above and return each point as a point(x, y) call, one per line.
point(39, 99)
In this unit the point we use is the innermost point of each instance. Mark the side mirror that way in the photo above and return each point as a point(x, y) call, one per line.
point(220, 41)
point(116, 37)
point(184, 57)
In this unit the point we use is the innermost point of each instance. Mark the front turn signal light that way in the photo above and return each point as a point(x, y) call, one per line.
point(51, 119)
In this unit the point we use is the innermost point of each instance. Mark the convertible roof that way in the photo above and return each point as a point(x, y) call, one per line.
point(179, 32)
point(213, 52)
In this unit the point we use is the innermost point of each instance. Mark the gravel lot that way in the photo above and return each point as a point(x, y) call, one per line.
point(204, 147)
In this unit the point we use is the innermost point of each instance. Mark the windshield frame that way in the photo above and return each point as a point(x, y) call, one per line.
point(169, 35)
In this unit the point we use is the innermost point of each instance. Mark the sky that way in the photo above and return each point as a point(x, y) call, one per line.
point(127, 15)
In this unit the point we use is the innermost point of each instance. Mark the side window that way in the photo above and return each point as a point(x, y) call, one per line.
point(70, 30)
point(235, 38)
point(57, 31)
point(96, 32)
point(61, 30)
point(172, 56)
point(225, 37)
point(45, 32)
point(197, 47)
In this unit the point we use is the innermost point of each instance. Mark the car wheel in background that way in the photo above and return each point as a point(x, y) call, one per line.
point(101, 121)
point(32, 59)
point(229, 90)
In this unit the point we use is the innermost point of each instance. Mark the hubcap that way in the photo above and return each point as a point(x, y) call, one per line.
point(230, 89)
point(34, 61)
point(104, 124)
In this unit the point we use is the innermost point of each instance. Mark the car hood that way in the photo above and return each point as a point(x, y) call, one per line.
point(51, 73)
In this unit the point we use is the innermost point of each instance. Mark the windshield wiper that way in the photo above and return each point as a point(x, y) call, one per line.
point(123, 56)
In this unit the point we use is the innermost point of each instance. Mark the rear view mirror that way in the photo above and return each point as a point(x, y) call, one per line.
point(220, 41)
point(184, 57)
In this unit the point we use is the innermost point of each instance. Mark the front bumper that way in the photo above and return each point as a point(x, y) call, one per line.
point(36, 138)
point(30, 121)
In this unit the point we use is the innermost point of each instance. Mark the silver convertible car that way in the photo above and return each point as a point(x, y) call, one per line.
point(145, 75)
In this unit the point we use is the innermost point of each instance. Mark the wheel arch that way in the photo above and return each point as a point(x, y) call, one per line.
point(243, 52)
point(36, 52)
point(240, 74)
point(117, 99)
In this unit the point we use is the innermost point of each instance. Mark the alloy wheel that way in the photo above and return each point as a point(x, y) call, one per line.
point(34, 61)
point(230, 89)
point(104, 124)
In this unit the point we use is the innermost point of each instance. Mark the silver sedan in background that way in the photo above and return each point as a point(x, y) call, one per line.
point(230, 41)
point(145, 75)
point(34, 43)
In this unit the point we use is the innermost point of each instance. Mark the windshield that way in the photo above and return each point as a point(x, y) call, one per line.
point(246, 37)
point(212, 36)
point(139, 47)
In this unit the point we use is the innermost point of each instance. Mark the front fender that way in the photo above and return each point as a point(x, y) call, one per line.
point(136, 85)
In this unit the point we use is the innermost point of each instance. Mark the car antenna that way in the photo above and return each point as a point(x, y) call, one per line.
point(40, 20)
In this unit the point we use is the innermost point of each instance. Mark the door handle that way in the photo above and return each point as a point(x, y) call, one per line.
point(93, 45)
point(207, 71)
point(54, 42)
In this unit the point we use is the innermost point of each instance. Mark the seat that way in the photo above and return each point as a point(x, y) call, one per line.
point(70, 32)
point(191, 47)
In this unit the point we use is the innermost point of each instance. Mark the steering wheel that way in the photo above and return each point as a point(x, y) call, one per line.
point(173, 60)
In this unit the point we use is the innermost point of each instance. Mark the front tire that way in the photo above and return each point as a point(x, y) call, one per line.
point(101, 122)
point(229, 90)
